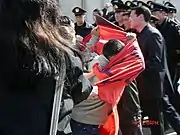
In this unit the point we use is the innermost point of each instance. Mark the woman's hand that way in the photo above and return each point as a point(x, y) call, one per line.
point(95, 32)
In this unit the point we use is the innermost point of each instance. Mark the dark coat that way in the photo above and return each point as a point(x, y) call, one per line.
point(151, 80)
point(171, 33)
point(83, 30)
point(129, 105)
point(26, 98)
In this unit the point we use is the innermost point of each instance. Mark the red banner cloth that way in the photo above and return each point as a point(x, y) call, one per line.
point(118, 73)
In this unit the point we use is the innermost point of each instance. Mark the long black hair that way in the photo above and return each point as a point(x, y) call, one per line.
point(34, 26)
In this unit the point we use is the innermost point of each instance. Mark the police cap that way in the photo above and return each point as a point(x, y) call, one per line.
point(158, 7)
point(78, 11)
point(120, 7)
point(149, 2)
point(135, 2)
point(171, 7)
point(130, 4)
point(141, 3)
point(116, 1)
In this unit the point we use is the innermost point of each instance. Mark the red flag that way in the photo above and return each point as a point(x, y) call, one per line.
point(118, 73)
point(105, 35)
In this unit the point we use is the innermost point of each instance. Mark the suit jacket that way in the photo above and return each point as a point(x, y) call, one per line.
point(151, 80)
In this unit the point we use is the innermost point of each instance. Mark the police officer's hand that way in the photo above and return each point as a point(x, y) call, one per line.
point(95, 31)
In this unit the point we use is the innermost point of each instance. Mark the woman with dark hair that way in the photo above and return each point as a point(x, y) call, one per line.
point(38, 61)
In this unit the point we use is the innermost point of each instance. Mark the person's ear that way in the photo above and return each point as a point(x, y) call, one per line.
point(141, 17)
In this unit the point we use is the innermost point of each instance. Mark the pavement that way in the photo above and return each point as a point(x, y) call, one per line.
point(146, 131)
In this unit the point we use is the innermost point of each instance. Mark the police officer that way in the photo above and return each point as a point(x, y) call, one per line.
point(120, 9)
point(171, 32)
point(172, 11)
point(110, 15)
point(141, 3)
point(82, 28)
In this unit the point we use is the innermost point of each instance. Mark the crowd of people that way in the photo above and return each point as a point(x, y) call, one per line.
point(155, 93)
point(64, 78)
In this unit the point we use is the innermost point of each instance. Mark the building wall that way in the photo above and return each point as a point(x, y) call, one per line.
point(89, 5)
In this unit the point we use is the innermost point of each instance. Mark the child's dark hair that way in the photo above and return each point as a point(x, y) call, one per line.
point(112, 47)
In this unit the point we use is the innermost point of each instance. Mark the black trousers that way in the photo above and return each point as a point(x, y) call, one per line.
point(153, 109)
point(170, 114)
point(131, 129)
point(171, 106)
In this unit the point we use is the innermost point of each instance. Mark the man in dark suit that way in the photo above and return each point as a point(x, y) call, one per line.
point(82, 28)
point(150, 82)
point(171, 33)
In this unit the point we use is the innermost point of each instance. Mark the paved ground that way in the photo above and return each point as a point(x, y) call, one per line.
point(146, 131)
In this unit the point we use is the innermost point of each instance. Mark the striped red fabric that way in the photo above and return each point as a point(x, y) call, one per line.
point(122, 69)
point(117, 74)
point(105, 35)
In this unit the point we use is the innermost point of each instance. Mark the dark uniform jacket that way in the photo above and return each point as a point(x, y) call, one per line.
point(83, 30)
point(150, 81)
point(26, 98)
point(129, 105)
point(171, 33)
